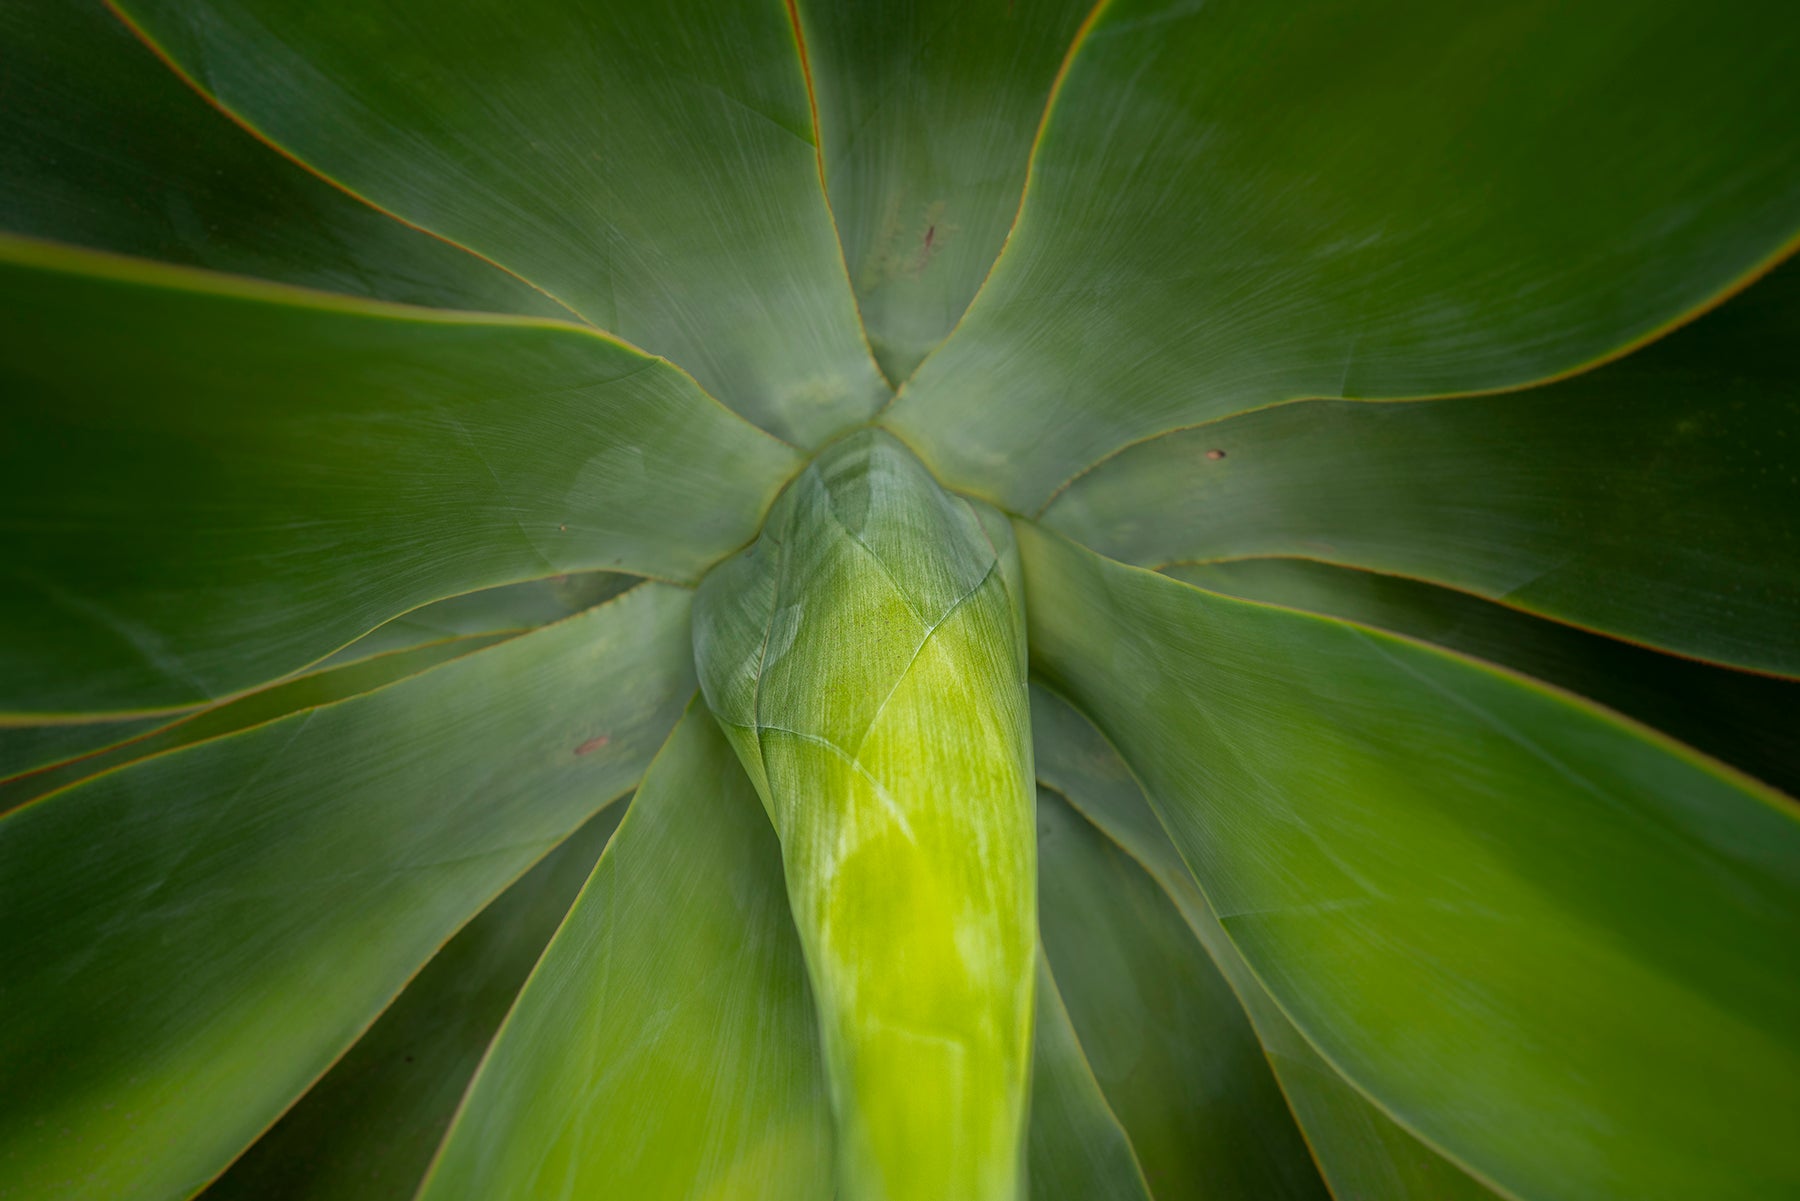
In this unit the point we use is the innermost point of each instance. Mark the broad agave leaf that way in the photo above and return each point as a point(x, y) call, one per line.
point(1194, 600)
point(1168, 1042)
point(651, 168)
point(106, 148)
point(1078, 1148)
point(1317, 777)
point(1388, 201)
point(1752, 721)
point(926, 115)
point(45, 758)
point(1361, 1151)
point(216, 538)
point(1664, 452)
point(369, 1129)
point(193, 938)
point(681, 938)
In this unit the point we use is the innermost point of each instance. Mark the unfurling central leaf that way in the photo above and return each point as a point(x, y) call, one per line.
point(866, 657)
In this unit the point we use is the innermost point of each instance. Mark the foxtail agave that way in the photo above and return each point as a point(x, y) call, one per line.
point(899, 601)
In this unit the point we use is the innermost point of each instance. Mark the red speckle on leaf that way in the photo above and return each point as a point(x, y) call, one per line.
point(592, 744)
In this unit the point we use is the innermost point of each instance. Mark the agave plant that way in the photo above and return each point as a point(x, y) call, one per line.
point(719, 599)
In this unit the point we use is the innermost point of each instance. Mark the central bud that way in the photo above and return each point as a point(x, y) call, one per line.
point(866, 658)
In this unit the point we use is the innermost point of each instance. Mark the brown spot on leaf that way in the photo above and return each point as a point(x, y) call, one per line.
point(593, 744)
point(1215, 454)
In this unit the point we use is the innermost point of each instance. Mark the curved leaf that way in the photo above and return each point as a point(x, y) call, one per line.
point(1238, 203)
point(506, 608)
point(866, 658)
point(1751, 722)
point(104, 147)
point(1076, 1146)
point(172, 540)
point(367, 1131)
point(927, 110)
point(28, 747)
point(1167, 1039)
point(666, 1045)
point(326, 686)
point(1560, 947)
point(57, 754)
point(191, 940)
point(652, 166)
point(1653, 499)
point(1362, 1153)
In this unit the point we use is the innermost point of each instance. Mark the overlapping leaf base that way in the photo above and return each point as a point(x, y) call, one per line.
point(867, 659)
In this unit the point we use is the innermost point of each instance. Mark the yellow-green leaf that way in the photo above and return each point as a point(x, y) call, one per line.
point(866, 657)
point(1559, 946)
point(1363, 1154)
point(665, 1046)
point(190, 941)
point(1168, 1041)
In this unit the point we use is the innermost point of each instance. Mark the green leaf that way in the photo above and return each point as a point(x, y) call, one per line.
point(927, 110)
point(1167, 1039)
point(30, 747)
point(190, 941)
point(367, 1131)
point(1076, 1147)
point(866, 658)
point(1556, 945)
point(1362, 1152)
point(1654, 499)
point(650, 166)
point(1751, 722)
point(106, 148)
point(351, 517)
point(172, 540)
point(1239, 203)
point(508, 608)
point(433, 633)
point(323, 687)
point(666, 1045)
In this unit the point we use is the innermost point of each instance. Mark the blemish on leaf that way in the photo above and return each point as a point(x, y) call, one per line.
point(1215, 454)
point(903, 248)
point(932, 239)
point(593, 744)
